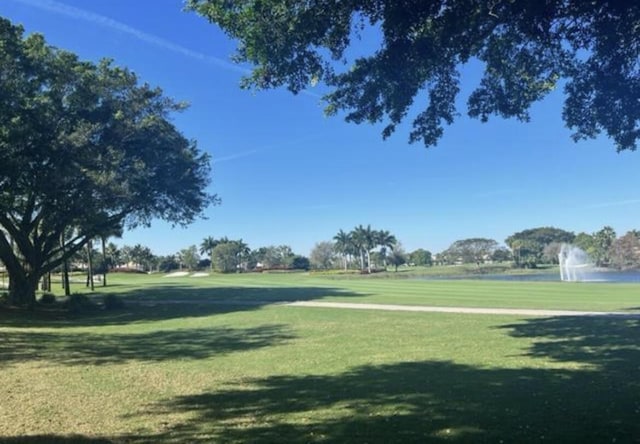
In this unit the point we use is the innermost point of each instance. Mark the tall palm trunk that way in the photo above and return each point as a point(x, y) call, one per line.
point(90, 266)
point(65, 270)
point(104, 259)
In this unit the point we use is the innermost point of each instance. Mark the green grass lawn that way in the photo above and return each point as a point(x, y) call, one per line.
point(188, 370)
point(279, 287)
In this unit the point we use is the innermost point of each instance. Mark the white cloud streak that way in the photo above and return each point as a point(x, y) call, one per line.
point(59, 8)
point(503, 192)
point(234, 156)
point(620, 203)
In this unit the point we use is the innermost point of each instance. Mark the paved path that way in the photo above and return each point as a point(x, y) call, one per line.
point(393, 307)
point(467, 310)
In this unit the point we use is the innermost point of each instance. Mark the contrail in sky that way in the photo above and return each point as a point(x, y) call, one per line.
point(101, 20)
point(619, 203)
point(234, 156)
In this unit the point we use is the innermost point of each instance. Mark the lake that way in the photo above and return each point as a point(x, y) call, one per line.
point(594, 276)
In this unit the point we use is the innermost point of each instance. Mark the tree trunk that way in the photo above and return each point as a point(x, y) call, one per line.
point(65, 279)
point(106, 263)
point(65, 268)
point(46, 282)
point(90, 264)
point(22, 289)
point(368, 262)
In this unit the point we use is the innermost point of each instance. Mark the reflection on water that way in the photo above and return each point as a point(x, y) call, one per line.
point(595, 276)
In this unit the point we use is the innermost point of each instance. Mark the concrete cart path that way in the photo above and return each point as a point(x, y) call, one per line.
point(467, 310)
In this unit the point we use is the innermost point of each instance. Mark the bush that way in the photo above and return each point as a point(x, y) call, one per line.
point(4, 298)
point(48, 298)
point(129, 270)
point(79, 302)
point(112, 302)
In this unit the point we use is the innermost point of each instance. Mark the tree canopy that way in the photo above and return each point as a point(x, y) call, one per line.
point(421, 257)
point(474, 250)
point(527, 49)
point(528, 245)
point(84, 148)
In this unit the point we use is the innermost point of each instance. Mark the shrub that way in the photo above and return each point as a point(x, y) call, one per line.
point(4, 298)
point(112, 302)
point(79, 302)
point(48, 298)
point(129, 270)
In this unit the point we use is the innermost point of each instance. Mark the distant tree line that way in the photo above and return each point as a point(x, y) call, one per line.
point(367, 249)
point(363, 249)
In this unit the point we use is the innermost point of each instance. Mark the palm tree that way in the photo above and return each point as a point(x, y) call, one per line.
point(207, 246)
point(90, 265)
point(114, 255)
point(344, 245)
point(114, 231)
point(243, 252)
point(384, 239)
point(357, 240)
point(365, 239)
point(66, 233)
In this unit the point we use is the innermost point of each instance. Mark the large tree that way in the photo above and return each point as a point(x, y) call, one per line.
point(274, 256)
point(397, 257)
point(323, 255)
point(421, 257)
point(527, 48)
point(83, 146)
point(189, 257)
point(625, 251)
point(602, 244)
point(224, 257)
point(528, 245)
point(474, 250)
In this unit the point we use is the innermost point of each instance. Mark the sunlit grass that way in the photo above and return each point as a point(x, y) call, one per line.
point(299, 286)
point(193, 371)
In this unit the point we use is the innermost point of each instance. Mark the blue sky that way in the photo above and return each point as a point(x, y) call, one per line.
point(289, 175)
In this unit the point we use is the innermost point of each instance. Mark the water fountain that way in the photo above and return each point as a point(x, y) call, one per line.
point(575, 264)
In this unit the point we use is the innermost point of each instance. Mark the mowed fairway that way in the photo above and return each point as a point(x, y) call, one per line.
point(223, 359)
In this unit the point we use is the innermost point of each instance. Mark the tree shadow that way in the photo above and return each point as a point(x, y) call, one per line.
point(55, 439)
point(163, 345)
point(590, 394)
point(586, 388)
point(606, 343)
point(228, 295)
point(427, 401)
point(170, 302)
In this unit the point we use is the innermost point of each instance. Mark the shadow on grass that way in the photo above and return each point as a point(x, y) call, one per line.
point(594, 396)
point(162, 345)
point(608, 343)
point(55, 439)
point(169, 302)
point(586, 389)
